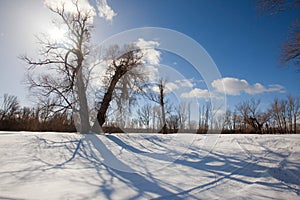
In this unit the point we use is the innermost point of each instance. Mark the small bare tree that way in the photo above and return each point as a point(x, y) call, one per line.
point(227, 123)
point(173, 122)
point(294, 112)
point(252, 116)
point(285, 114)
point(204, 116)
point(182, 112)
point(144, 115)
point(159, 97)
point(9, 106)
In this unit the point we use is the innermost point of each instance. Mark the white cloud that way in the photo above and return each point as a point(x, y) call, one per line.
point(276, 88)
point(151, 55)
point(234, 86)
point(155, 89)
point(69, 6)
point(150, 72)
point(171, 87)
point(105, 11)
point(196, 93)
point(185, 82)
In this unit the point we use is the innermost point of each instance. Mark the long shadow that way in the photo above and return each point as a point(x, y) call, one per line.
point(72, 145)
point(123, 172)
point(124, 145)
point(10, 198)
point(90, 147)
point(156, 156)
point(30, 164)
point(232, 166)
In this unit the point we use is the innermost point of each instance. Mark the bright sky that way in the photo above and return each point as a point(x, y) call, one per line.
point(243, 44)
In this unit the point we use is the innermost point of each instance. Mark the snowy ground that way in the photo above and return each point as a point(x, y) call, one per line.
point(148, 166)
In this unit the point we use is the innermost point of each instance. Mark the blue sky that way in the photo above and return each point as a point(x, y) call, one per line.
point(243, 44)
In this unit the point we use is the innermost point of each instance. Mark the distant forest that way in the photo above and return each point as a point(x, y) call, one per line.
point(282, 116)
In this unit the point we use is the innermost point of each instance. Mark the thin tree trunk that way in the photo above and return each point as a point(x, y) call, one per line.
point(164, 128)
point(295, 123)
point(162, 104)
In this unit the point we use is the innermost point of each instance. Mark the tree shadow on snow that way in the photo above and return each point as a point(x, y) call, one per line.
point(244, 171)
point(123, 172)
point(93, 150)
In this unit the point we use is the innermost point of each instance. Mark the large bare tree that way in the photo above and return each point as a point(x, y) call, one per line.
point(122, 77)
point(61, 71)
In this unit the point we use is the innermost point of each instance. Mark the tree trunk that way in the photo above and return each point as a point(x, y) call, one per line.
point(295, 123)
point(101, 115)
point(83, 111)
point(163, 114)
point(164, 128)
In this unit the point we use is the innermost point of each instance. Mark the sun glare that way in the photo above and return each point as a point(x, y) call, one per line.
point(57, 34)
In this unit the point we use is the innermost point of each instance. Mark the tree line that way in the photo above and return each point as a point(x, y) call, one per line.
point(14, 117)
point(281, 116)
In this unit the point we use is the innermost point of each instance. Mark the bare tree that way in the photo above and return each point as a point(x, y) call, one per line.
point(252, 116)
point(173, 122)
point(294, 110)
point(144, 115)
point(124, 61)
point(189, 113)
point(159, 97)
point(204, 116)
point(285, 113)
point(182, 112)
point(67, 67)
point(9, 107)
point(236, 120)
point(291, 48)
point(227, 123)
point(162, 86)
point(64, 64)
point(156, 122)
point(276, 6)
point(279, 110)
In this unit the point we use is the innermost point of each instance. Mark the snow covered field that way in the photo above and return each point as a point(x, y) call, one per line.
point(148, 166)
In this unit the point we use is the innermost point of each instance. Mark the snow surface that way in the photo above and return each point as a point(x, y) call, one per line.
point(148, 166)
